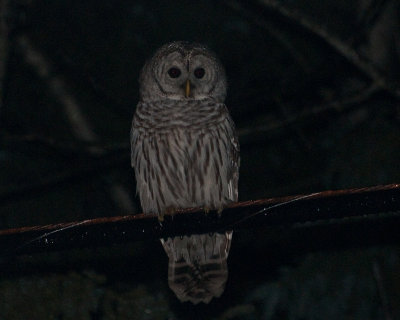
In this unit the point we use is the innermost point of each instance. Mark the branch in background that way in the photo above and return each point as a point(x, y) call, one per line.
point(81, 126)
point(347, 52)
point(66, 146)
point(113, 157)
point(76, 173)
point(3, 46)
point(274, 32)
point(339, 105)
point(345, 217)
point(370, 12)
point(339, 46)
point(122, 197)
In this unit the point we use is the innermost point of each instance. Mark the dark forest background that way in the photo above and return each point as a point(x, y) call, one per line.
point(314, 90)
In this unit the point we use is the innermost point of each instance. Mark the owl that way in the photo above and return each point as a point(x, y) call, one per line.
point(185, 153)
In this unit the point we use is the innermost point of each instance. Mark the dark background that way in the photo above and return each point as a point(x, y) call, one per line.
point(314, 92)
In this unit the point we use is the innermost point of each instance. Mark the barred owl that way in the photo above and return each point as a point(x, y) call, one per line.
point(185, 153)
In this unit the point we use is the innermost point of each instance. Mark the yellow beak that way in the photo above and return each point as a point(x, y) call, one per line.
point(187, 89)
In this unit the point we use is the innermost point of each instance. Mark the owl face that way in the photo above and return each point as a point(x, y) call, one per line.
point(182, 70)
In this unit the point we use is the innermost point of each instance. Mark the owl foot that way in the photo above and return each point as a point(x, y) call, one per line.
point(170, 211)
point(208, 209)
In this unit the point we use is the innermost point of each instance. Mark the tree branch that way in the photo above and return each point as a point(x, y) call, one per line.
point(368, 214)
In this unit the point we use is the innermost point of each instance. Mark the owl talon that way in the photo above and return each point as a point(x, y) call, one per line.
point(170, 211)
point(220, 211)
point(160, 217)
point(206, 210)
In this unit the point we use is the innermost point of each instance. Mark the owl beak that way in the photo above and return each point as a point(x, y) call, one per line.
point(187, 89)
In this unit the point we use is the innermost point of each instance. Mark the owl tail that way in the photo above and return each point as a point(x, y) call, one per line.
point(197, 269)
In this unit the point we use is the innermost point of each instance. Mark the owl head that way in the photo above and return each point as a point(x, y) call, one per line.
point(182, 70)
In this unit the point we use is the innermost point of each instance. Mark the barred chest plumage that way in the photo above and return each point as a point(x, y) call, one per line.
point(185, 154)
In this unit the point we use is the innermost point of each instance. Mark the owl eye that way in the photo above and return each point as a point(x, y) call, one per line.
point(199, 73)
point(174, 72)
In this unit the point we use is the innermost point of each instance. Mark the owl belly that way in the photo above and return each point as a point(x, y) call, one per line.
point(185, 169)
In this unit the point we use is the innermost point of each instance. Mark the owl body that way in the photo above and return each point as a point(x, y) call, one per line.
point(185, 153)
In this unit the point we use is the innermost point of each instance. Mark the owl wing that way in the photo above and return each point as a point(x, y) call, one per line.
point(134, 139)
point(139, 160)
point(234, 155)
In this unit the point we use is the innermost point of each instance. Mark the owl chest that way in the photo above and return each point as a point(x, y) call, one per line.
point(182, 168)
point(173, 151)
